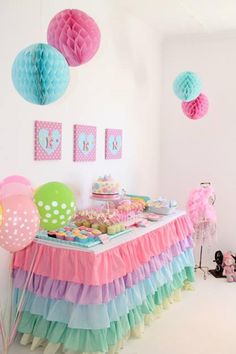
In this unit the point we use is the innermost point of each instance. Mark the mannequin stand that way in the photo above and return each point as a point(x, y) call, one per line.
point(204, 269)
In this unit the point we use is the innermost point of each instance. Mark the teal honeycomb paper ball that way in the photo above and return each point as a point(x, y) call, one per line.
point(187, 86)
point(40, 74)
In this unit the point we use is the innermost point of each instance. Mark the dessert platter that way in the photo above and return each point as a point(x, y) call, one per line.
point(118, 215)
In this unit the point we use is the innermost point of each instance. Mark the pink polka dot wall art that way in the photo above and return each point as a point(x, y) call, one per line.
point(85, 137)
point(47, 140)
point(113, 144)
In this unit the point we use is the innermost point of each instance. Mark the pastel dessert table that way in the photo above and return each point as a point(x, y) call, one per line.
point(91, 300)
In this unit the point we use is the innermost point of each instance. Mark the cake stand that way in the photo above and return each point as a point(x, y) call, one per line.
point(106, 198)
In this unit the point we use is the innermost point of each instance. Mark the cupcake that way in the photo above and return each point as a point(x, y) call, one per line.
point(83, 232)
point(111, 230)
point(96, 232)
point(82, 239)
point(77, 238)
point(95, 226)
point(82, 228)
point(86, 223)
point(103, 228)
point(122, 227)
point(60, 235)
point(90, 235)
point(69, 237)
point(76, 232)
point(117, 228)
point(79, 222)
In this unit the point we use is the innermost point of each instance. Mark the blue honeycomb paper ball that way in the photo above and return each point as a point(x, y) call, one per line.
point(40, 74)
point(187, 86)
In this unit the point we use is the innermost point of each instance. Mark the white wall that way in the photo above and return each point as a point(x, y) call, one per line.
point(118, 88)
point(196, 151)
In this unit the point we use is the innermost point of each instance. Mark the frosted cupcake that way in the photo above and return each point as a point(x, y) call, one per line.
point(69, 237)
point(61, 235)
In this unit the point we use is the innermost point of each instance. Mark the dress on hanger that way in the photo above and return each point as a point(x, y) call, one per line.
point(202, 213)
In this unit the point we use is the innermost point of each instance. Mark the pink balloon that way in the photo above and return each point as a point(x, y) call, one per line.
point(20, 222)
point(16, 179)
point(6, 190)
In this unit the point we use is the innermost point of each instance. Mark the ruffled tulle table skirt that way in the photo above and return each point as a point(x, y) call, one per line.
point(66, 308)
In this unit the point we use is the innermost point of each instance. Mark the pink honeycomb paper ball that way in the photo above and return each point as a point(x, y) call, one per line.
point(197, 108)
point(75, 34)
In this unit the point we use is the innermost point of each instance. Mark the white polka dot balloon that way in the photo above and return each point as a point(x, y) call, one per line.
point(20, 222)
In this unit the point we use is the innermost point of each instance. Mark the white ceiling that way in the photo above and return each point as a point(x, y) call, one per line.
point(171, 17)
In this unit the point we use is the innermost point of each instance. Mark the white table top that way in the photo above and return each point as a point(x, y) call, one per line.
point(135, 233)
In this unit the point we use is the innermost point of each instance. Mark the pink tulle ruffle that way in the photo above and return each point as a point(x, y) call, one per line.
point(85, 268)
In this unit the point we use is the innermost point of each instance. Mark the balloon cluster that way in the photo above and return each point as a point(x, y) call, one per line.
point(19, 215)
point(187, 87)
point(40, 72)
point(53, 206)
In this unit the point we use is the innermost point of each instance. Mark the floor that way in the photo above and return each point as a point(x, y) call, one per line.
point(204, 322)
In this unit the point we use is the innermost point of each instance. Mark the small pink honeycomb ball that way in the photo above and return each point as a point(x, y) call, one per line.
point(197, 108)
point(75, 34)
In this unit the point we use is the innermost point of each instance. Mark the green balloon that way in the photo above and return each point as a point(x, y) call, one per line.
point(56, 205)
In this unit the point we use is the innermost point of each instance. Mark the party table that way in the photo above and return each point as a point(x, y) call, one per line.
point(91, 300)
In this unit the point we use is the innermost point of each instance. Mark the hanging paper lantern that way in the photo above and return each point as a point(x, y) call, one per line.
point(19, 222)
point(56, 205)
point(40, 74)
point(197, 108)
point(187, 86)
point(75, 34)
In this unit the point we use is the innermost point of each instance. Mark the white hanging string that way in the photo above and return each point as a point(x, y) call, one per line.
point(41, 21)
